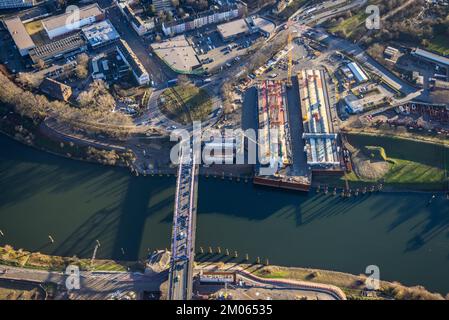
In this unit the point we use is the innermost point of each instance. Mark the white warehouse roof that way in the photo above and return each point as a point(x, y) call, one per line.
point(359, 74)
point(431, 56)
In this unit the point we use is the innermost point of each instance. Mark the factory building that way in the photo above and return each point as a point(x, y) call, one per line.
point(68, 46)
point(71, 21)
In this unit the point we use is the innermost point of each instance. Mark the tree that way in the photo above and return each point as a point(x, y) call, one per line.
point(30, 80)
point(183, 80)
point(81, 71)
point(82, 59)
point(40, 64)
point(97, 97)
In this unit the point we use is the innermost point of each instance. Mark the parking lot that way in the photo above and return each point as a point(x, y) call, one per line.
point(216, 54)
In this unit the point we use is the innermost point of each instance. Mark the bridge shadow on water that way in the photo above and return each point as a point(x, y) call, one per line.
point(122, 225)
point(424, 221)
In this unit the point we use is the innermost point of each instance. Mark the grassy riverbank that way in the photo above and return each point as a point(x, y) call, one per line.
point(413, 165)
point(352, 285)
point(36, 260)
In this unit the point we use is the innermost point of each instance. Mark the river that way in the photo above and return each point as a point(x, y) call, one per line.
point(78, 203)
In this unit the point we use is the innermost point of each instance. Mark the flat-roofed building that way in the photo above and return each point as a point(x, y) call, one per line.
point(178, 54)
point(137, 68)
point(261, 25)
point(100, 34)
point(233, 29)
point(71, 21)
point(21, 38)
point(11, 4)
point(67, 46)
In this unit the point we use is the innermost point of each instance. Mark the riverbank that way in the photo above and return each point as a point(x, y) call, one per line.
point(26, 131)
point(409, 165)
point(352, 285)
point(39, 261)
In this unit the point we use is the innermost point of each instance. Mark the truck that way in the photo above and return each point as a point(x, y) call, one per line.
point(172, 82)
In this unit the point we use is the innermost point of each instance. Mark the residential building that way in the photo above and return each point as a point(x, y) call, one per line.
point(139, 25)
point(56, 89)
point(222, 14)
point(128, 55)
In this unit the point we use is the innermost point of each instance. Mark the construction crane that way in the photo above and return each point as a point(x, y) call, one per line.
point(290, 54)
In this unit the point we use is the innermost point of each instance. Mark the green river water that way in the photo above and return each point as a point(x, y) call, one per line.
point(78, 203)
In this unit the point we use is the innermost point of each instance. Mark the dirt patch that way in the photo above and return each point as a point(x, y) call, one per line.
point(368, 165)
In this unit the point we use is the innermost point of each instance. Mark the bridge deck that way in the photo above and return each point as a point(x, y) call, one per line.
point(183, 233)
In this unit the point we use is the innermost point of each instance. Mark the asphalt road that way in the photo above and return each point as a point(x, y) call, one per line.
point(93, 285)
point(159, 72)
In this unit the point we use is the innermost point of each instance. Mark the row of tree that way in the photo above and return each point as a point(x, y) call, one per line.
point(93, 119)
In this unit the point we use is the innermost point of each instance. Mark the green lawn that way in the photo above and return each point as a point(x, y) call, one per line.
point(415, 165)
point(440, 44)
point(187, 99)
point(409, 172)
point(348, 26)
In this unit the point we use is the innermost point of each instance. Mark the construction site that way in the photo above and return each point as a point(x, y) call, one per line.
point(320, 139)
point(297, 138)
point(275, 141)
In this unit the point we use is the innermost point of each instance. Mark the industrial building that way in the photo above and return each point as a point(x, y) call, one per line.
point(21, 38)
point(358, 73)
point(178, 54)
point(70, 21)
point(391, 54)
point(128, 55)
point(68, 46)
point(440, 61)
point(320, 140)
point(224, 13)
point(12, 4)
point(100, 34)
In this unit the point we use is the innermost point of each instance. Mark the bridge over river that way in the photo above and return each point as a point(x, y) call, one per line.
point(184, 224)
